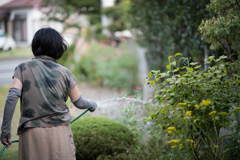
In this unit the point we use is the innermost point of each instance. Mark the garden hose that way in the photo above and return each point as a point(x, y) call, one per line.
point(13, 141)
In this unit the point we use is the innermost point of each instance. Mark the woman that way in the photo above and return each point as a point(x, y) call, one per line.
point(43, 86)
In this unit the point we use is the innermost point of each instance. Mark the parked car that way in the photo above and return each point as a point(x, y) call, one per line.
point(6, 42)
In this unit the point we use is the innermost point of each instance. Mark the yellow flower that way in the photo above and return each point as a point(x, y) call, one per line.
point(216, 146)
point(180, 145)
point(190, 140)
point(182, 104)
point(170, 132)
point(175, 141)
point(224, 113)
point(194, 145)
point(173, 147)
point(237, 108)
point(213, 112)
point(169, 142)
point(205, 102)
point(185, 117)
point(196, 106)
point(180, 107)
point(189, 105)
point(188, 113)
point(216, 118)
point(172, 128)
point(238, 141)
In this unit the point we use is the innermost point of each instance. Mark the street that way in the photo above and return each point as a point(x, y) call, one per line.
point(7, 69)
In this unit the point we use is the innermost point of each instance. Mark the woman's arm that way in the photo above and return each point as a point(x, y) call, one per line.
point(10, 104)
point(80, 102)
point(17, 84)
point(74, 94)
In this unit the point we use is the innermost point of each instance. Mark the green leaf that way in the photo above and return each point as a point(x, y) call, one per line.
point(153, 115)
point(169, 58)
point(157, 124)
point(149, 74)
point(183, 67)
point(190, 69)
point(211, 58)
point(224, 137)
point(197, 67)
point(178, 54)
point(174, 63)
point(223, 57)
point(168, 67)
point(193, 63)
point(182, 72)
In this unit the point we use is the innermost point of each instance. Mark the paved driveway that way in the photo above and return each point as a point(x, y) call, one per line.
point(6, 70)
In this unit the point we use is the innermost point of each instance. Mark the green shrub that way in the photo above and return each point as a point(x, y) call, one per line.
point(198, 104)
point(94, 136)
point(121, 156)
point(106, 66)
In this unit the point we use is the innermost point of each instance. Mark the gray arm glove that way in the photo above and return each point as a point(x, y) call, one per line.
point(11, 101)
point(83, 103)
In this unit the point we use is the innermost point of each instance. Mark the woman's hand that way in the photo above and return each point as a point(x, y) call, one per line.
point(9, 143)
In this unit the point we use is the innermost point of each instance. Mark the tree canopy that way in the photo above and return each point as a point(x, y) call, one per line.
point(169, 26)
point(223, 29)
point(60, 10)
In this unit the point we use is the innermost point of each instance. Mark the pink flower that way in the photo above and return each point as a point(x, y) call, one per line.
point(36, 5)
point(114, 43)
point(95, 61)
point(138, 88)
point(122, 102)
point(102, 58)
point(130, 96)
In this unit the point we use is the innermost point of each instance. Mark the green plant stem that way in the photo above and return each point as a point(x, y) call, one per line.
point(215, 128)
point(207, 138)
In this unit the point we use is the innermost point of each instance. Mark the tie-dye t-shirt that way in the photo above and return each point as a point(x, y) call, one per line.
point(46, 87)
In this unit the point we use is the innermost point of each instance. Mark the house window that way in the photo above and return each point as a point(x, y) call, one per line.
point(20, 28)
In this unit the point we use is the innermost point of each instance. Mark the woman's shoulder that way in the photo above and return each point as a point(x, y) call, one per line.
point(22, 66)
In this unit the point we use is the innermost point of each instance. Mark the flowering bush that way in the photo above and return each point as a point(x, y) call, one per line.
point(106, 66)
point(198, 104)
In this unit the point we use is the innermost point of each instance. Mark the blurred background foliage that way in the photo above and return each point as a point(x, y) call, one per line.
point(165, 27)
point(195, 28)
point(112, 68)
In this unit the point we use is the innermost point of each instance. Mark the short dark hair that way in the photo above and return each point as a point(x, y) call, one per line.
point(49, 42)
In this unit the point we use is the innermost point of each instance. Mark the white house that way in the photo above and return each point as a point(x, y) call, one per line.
point(22, 18)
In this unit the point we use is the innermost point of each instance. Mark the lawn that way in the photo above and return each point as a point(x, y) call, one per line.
point(16, 53)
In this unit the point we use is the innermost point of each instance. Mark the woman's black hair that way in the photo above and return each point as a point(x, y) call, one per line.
point(49, 42)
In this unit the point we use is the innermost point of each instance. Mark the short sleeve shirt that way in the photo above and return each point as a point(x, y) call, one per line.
point(46, 87)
